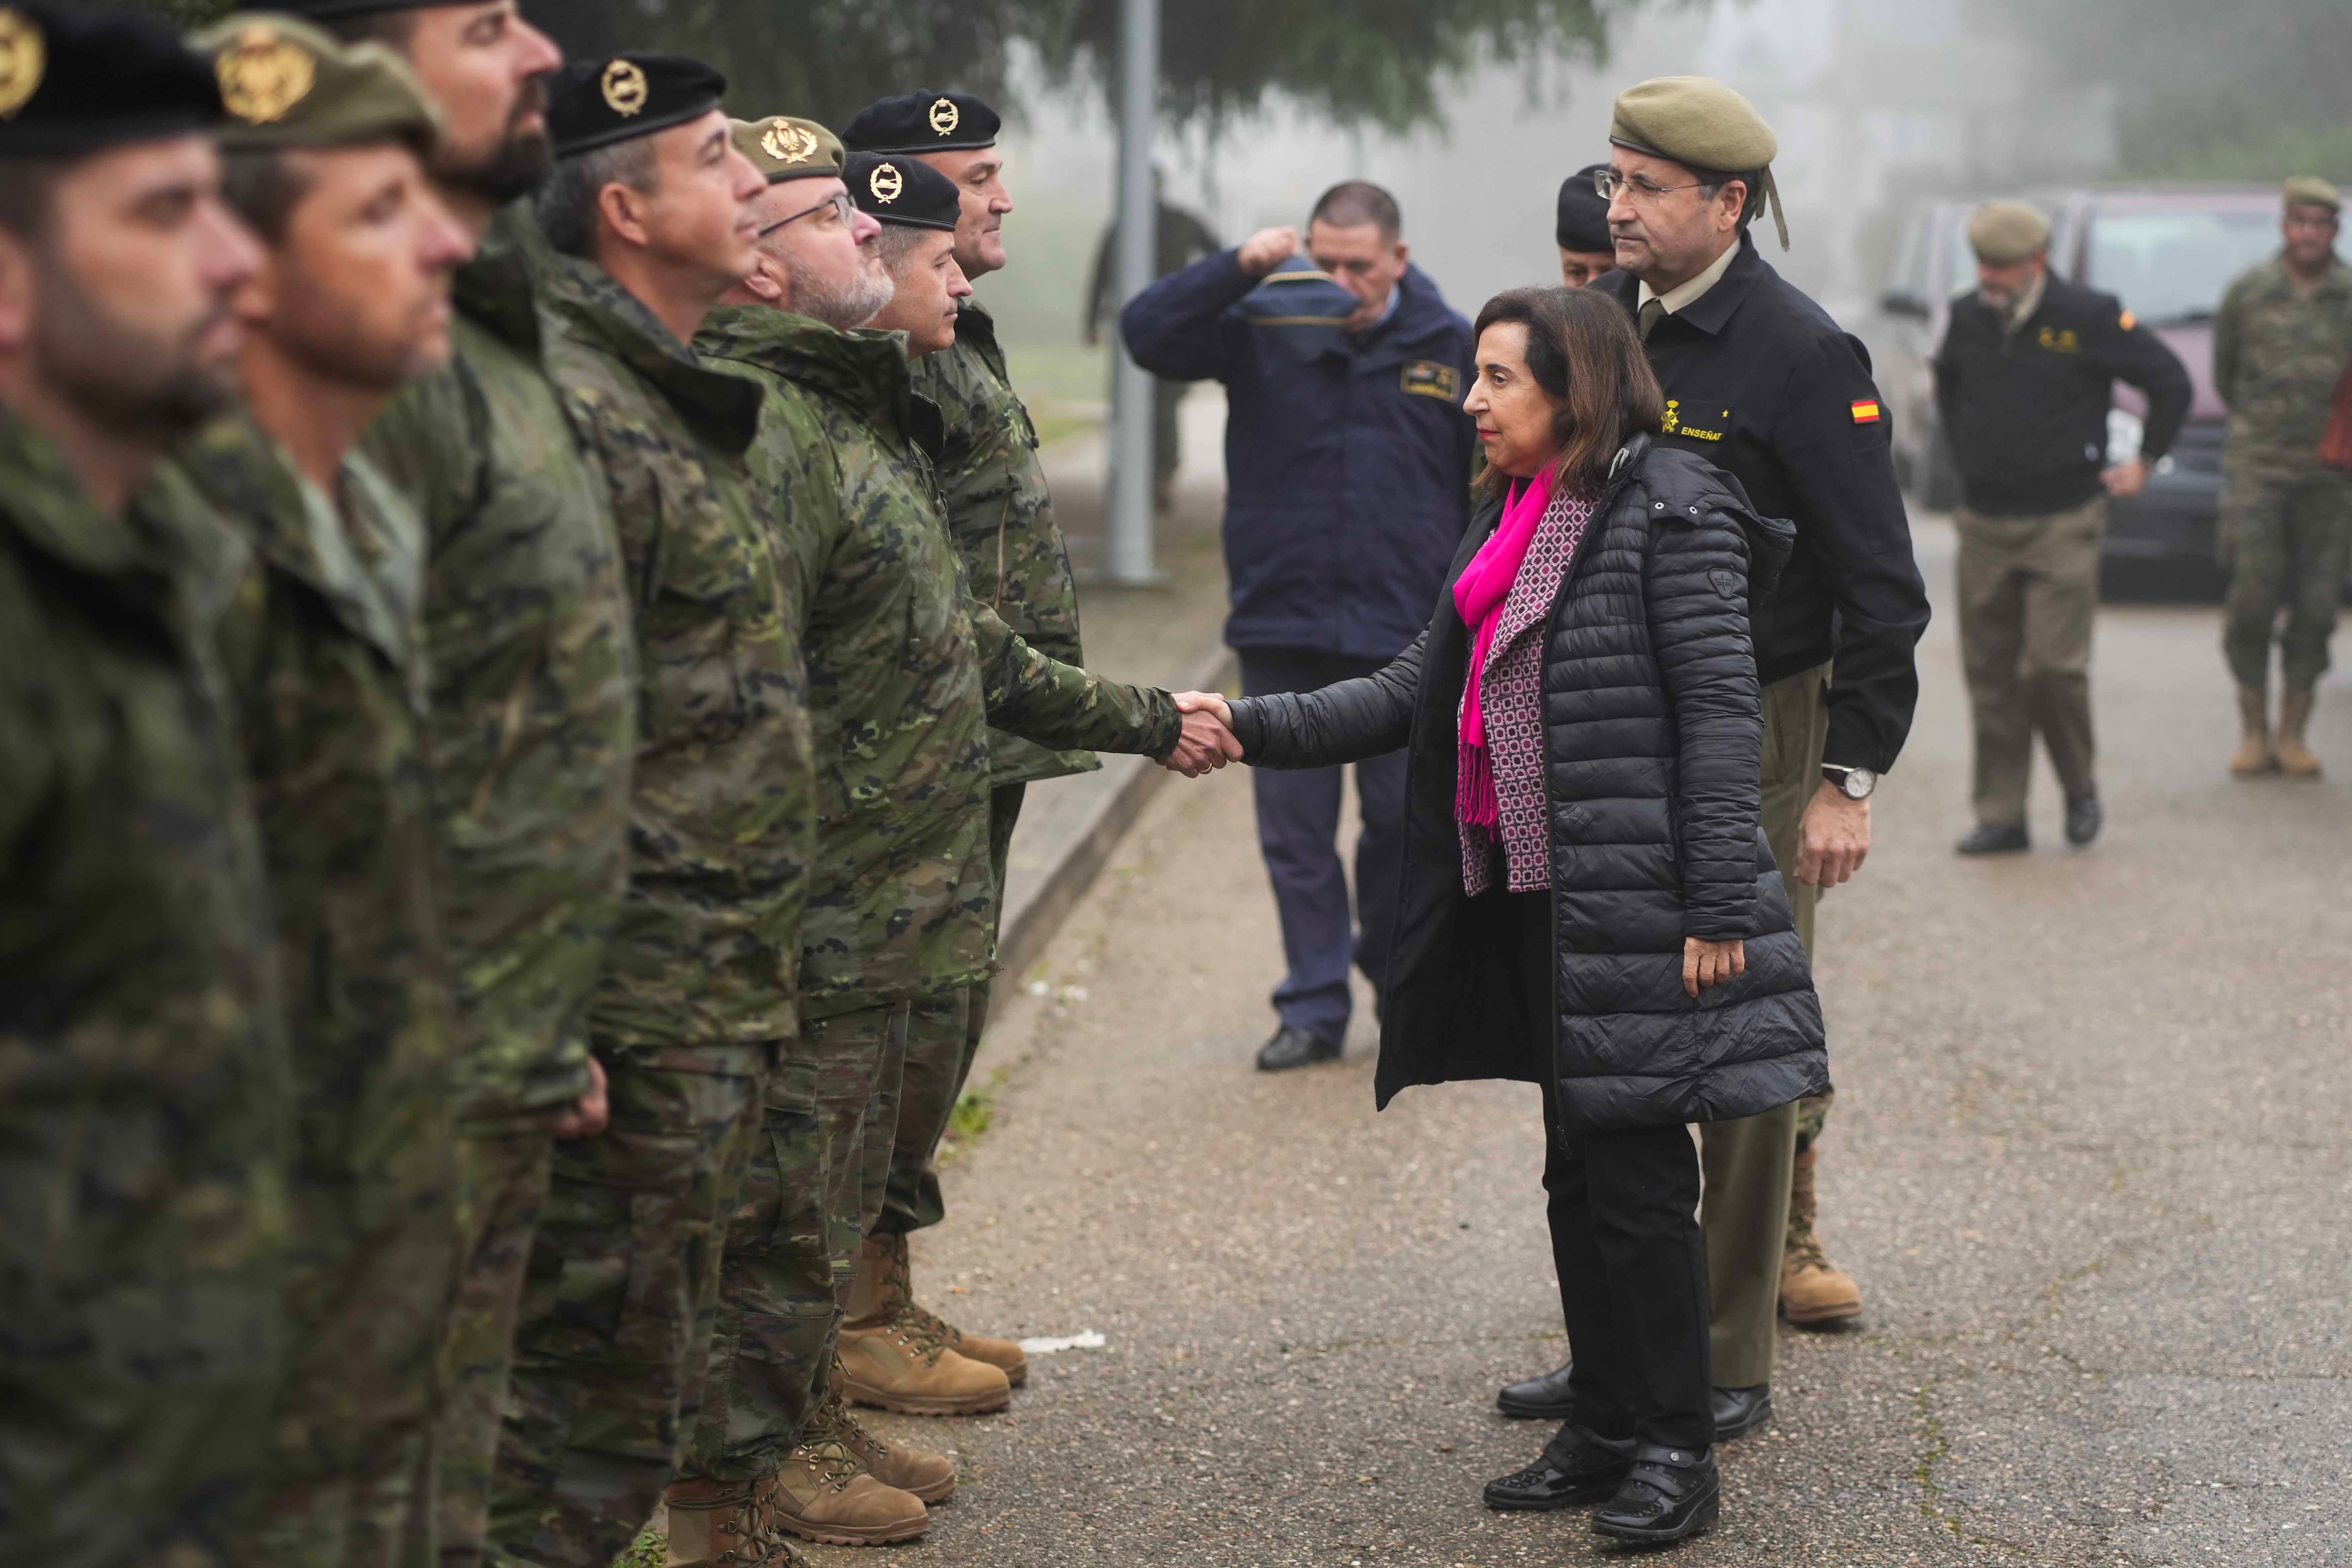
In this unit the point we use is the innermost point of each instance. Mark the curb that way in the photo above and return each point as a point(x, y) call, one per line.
point(1129, 784)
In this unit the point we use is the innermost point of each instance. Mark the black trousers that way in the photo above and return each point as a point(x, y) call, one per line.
point(1626, 1242)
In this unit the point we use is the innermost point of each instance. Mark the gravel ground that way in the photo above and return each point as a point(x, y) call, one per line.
point(2086, 1162)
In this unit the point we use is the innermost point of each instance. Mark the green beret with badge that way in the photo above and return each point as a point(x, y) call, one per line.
point(2311, 191)
point(903, 191)
point(74, 81)
point(287, 83)
point(2005, 232)
point(784, 148)
point(596, 103)
point(923, 121)
point(1707, 128)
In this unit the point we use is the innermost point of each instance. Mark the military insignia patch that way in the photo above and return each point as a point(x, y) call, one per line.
point(24, 61)
point(2060, 339)
point(1429, 378)
point(790, 143)
point(946, 117)
point(2128, 321)
point(627, 90)
point(1726, 582)
point(886, 182)
point(263, 74)
point(1676, 423)
point(1867, 412)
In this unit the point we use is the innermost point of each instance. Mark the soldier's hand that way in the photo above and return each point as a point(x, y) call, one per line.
point(593, 1112)
point(1834, 839)
point(1707, 963)
point(1267, 249)
point(1205, 745)
point(2126, 478)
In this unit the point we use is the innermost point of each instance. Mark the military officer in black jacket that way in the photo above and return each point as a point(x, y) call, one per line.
point(1763, 384)
point(2024, 381)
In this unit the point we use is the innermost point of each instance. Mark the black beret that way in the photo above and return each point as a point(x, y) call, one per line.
point(594, 103)
point(903, 191)
point(75, 80)
point(336, 10)
point(1584, 212)
point(923, 121)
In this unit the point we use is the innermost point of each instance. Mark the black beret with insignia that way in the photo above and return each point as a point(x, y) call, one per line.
point(904, 190)
point(74, 81)
point(594, 103)
point(336, 10)
point(923, 121)
point(1584, 212)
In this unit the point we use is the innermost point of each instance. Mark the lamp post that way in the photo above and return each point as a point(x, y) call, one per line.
point(1127, 530)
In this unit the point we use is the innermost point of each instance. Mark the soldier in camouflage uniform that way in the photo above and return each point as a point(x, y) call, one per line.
point(2281, 341)
point(326, 150)
point(144, 1128)
point(1001, 514)
point(905, 671)
point(532, 727)
point(698, 997)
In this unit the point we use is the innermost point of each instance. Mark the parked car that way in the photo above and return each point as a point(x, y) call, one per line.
point(1933, 265)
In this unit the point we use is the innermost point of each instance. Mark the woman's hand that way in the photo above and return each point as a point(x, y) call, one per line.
point(1707, 963)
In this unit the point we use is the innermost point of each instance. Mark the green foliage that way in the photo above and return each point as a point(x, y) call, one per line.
point(650, 1551)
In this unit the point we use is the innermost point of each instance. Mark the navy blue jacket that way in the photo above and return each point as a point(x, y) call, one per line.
point(1347, 454)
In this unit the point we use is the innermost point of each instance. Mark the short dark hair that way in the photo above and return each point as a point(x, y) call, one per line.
point(264, 186)
point(1352, 204)
point(26, 187)
point(1711, 184)
point(1584, 353)
point(567, 202)
point(897, 241)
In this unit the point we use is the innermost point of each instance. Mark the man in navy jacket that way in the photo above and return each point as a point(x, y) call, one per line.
point(1347, 475)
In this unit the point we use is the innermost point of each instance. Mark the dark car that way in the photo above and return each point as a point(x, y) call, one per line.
point(1933, 265)
point(2169, 253)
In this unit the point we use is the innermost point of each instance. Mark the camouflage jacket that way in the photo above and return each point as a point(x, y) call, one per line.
point(1001, 515)
point(323, 650)
point(2277, 356)
point(904, 668)
point(532, 729)
point(144, 1102)
point(723, 823)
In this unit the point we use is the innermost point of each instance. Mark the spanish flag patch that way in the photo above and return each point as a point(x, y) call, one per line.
point(1866, 413)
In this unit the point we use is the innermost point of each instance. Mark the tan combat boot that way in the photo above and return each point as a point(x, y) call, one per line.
point(1813, 1290)
point(895, 1301)
point(2253, 754)
point(929, 1476)
point(822, 1493)
point(2294, 758)
point(724, 1524)
point(902, 1362)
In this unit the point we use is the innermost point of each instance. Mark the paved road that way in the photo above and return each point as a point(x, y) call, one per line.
point(2088, 1162)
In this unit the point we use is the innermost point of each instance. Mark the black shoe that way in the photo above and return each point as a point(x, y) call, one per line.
point(1669, 1494)
point(1544, 1398)
point(1740, 1411)
point(1575, 1467)
point(2083, 820)
point(1994, 839)
point(1292, 1047)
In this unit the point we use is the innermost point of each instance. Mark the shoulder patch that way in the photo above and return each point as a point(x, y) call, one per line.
point(1867, 412)
point(1432, 378)
point(2126, 322)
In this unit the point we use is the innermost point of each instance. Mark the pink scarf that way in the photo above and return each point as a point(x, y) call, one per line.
point(1479, 594)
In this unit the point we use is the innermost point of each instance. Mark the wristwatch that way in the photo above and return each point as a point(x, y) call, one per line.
point(1853, 783)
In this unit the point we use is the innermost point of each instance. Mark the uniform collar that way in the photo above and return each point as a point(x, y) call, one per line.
point(1711, 310)
point(1688, 292)
point(723, 409)
point(2024, 309)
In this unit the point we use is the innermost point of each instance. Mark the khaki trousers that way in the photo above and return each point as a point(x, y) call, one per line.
point(2028, 595)
point(1748, 1162)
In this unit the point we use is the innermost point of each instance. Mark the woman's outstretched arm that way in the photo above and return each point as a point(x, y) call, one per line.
point(1347, 722)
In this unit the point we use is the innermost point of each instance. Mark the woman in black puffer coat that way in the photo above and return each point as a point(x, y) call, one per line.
point(1587, 899)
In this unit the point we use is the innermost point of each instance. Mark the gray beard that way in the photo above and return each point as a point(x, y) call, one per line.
point(851, 304)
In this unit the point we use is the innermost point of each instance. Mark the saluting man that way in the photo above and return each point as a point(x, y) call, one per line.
point(1763, 384)
point(2024, 380)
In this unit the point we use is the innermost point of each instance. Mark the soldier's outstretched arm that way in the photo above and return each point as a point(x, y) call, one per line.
point(1063, 706)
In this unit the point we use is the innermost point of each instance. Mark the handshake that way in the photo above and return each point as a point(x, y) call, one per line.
point(1207, 743)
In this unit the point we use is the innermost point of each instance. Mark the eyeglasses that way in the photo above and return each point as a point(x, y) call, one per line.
point(841, 205)
point(1635, 189)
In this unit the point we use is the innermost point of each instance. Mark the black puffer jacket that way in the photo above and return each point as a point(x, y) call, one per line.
point(1653, 742)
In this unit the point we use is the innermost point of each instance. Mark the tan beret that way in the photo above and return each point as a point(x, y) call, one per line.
point(1703, 125)
point(287, 84)
point(784, 148)
point(2311, 191)
point(2002, 232)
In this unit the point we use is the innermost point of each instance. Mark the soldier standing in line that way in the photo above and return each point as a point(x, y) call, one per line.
point(1581, 229)
point(325, 159)
point(2025, 379)
point(648, 219)
point(2281, 342)
point(900, 913)
point(532, 724)
point(146, 1133)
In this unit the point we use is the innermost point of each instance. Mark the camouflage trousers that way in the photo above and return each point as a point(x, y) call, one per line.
point(618, 1301)
point(2284, 538)
point(502, 1171)
point(936, 1074)
point(810, 1192)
